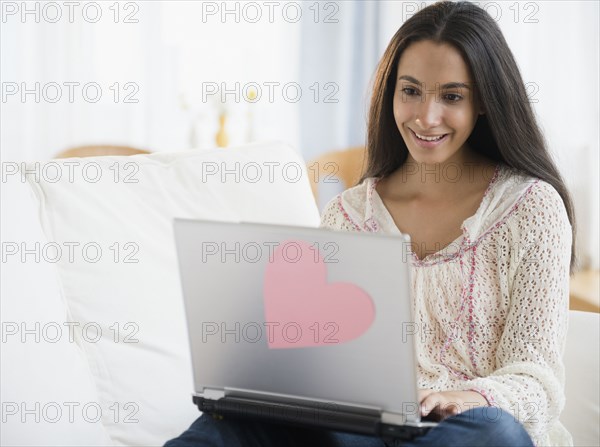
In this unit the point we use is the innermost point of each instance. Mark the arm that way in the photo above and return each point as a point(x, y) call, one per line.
point(529, 379)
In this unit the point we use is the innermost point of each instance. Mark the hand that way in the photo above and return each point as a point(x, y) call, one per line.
point(443, 404)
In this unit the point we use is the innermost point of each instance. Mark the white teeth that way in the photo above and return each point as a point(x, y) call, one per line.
point(429, 138)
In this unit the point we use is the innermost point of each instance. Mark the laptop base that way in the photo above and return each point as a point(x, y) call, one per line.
point(311, 414)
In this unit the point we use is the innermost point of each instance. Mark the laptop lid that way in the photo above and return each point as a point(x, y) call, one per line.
point(300, 314)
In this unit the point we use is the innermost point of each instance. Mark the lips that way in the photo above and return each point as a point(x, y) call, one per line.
point(425, 137)
point(429, 144)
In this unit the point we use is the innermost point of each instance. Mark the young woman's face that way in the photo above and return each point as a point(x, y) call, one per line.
point(434, 97)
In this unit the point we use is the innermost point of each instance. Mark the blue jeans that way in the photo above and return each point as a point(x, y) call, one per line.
point(481, 426)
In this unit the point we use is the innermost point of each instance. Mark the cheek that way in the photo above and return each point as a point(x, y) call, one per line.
point(461, 120)
point(402, 112)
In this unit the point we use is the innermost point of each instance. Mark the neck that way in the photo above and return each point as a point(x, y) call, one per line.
point(466, 171)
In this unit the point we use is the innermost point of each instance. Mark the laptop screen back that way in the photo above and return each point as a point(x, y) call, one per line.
point(309, 313)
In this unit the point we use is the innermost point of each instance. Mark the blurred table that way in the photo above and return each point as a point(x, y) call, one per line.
point(585, 291)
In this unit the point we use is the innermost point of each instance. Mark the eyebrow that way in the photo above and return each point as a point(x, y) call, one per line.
point(445, 86)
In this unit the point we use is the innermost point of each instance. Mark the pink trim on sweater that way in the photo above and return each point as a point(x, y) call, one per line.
point(470, 300)
point(441, 258)
point(467, 244)
point(466, 297)
point(370, 225)
point(486, 395)
point(345, 214)
point(512, 210)
point(470, 285)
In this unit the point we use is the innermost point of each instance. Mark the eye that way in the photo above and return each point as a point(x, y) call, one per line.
point(453, 97)
point(409, 91)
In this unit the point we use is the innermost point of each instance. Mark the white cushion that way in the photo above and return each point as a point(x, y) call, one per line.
point(581, 415)
point(48, 395)
point(131, 289)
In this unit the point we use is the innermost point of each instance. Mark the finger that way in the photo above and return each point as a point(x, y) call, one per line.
point(422, 394)
point(450, 409)
point(430, 402)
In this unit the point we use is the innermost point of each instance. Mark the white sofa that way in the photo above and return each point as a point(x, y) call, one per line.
point(94, 346)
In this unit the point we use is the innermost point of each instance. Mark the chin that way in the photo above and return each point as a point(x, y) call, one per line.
point(431, 160)
point(445, 155)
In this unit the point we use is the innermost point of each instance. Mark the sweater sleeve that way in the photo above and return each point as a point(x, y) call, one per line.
point(529, 377)
point(335, 217)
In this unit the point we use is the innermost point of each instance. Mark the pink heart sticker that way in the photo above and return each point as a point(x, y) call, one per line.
point(302, 309)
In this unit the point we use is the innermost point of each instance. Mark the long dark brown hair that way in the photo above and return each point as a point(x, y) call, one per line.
point(507, 132)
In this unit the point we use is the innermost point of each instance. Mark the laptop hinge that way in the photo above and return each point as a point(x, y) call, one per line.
point(393, 418)
point(212, 393)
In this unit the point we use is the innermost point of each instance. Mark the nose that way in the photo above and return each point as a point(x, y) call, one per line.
point(429, 112)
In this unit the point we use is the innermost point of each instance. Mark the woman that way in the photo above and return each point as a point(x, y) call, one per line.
point(488, 215)
point(457, 161)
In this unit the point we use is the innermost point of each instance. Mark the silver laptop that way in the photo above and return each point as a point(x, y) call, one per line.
point(298, 325)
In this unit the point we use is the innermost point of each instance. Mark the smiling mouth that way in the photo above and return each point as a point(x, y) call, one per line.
point(428, 137)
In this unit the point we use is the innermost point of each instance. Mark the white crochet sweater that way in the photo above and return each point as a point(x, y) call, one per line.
point(492, 307)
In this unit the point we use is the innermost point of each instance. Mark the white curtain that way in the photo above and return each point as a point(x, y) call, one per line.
point(172, 52)
point(341, 56)
point(158, 65)
point(555, 44)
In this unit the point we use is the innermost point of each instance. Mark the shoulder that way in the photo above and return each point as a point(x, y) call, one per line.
point(537, 200)
point(544, 196)
point(518, 206)
point(534, 210)
point(518, 194)
point(347, 210)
